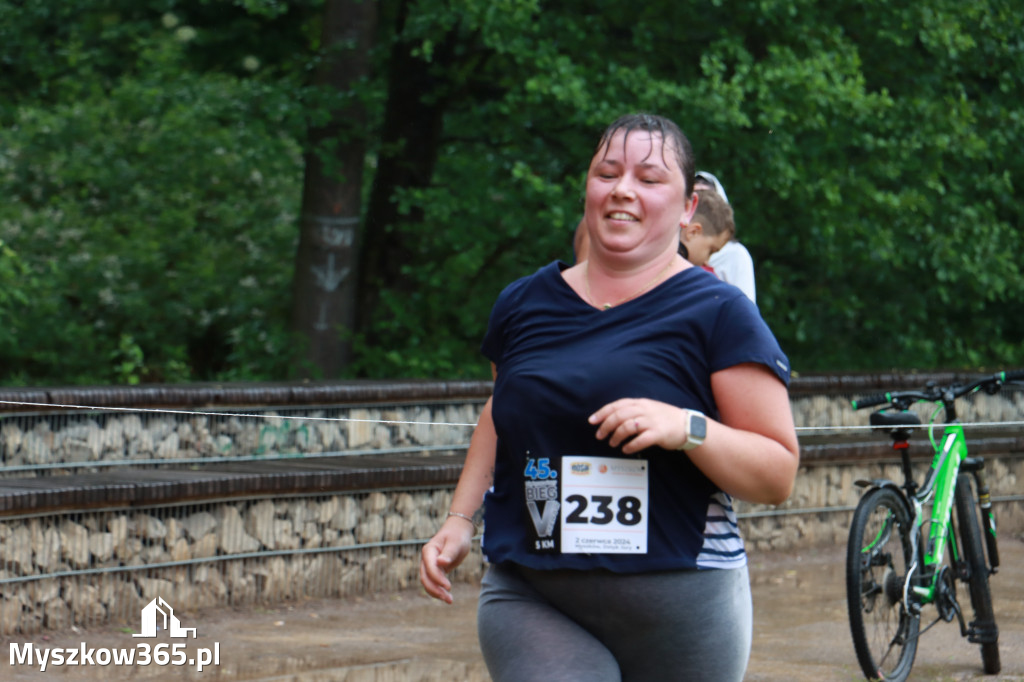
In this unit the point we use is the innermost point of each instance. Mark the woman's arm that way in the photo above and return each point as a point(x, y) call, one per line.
point(752, 453)
point(451, 544)
point(478, 470)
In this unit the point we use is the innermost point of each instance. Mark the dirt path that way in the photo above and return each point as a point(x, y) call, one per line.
point(800, 635)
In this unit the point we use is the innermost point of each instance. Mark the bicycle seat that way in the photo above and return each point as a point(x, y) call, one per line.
point(895, 419)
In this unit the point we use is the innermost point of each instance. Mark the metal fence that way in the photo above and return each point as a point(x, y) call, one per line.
point(90, 567)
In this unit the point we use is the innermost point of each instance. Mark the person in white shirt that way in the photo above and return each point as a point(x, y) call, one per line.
point(732, 263)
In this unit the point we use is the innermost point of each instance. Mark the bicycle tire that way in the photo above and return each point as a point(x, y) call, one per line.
point(977, 573)
point(879, 554)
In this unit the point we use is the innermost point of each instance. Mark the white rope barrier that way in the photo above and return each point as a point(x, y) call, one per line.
point(937, 425)
point(194, 413)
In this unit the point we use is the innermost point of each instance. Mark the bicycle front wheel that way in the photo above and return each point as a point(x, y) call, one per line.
point(879, 556)
point(983, 628)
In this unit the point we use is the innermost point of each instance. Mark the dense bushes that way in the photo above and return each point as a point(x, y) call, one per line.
point(154, 223)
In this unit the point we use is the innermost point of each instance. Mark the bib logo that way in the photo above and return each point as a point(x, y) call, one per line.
point(542, 501)
point(580, 468)
point(170, 621)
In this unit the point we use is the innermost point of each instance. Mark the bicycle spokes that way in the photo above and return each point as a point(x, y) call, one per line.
point(879, 557)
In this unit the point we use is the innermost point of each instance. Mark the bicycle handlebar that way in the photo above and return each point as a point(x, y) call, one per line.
point(937, 394)
point(872, 400)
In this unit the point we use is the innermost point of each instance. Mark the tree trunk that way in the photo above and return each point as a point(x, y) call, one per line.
point(418, 95)
point(324, 289)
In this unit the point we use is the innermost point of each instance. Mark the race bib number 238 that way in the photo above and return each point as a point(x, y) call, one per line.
point(604, 505)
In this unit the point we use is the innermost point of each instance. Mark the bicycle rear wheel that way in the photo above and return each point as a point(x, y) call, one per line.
point(878, 556)
point(983, 628)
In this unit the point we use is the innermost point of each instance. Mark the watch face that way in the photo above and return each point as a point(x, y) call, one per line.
point(698, 427)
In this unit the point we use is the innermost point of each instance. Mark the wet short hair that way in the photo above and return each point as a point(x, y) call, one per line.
point(670, 133)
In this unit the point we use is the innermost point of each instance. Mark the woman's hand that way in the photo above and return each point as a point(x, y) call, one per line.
point(752, 452)
point(443, 553)
point(639, 423)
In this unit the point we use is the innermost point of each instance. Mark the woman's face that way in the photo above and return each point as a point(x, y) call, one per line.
point(636, 196)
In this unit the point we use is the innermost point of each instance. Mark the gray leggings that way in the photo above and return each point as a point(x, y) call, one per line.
point(596, 626)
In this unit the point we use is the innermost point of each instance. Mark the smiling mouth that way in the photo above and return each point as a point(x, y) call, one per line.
point(621, 215)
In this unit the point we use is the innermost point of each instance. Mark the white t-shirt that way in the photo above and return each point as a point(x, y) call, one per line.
point(734, 265)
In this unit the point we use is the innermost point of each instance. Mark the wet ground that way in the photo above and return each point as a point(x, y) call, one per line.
point(800, 635)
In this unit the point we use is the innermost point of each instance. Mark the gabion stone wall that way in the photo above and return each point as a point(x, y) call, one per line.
point(32, 440)
point(85, 566)
point(88, 568)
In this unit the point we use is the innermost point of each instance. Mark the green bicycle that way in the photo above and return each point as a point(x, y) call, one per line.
point(895, 562)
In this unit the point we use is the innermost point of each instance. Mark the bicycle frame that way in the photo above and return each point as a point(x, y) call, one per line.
point(940, 482)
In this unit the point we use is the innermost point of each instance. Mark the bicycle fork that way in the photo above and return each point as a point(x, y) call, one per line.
point(976, 466)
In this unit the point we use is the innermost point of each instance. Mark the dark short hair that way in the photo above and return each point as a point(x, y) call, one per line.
point(670, 133)
point(713, 213)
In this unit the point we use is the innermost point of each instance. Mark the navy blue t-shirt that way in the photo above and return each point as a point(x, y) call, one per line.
point(559, 360)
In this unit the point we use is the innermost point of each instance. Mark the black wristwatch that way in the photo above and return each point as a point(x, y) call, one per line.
point(696, 429)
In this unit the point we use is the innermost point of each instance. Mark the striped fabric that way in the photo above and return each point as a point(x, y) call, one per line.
point(723, 546)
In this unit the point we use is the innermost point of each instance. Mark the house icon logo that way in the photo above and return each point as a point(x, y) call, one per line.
point(160, 609)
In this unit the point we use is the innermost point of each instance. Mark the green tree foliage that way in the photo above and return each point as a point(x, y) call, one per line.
point(156, 209)
point(14, 282)
point(868, 149)
point(151, 158)
point(895, 209)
